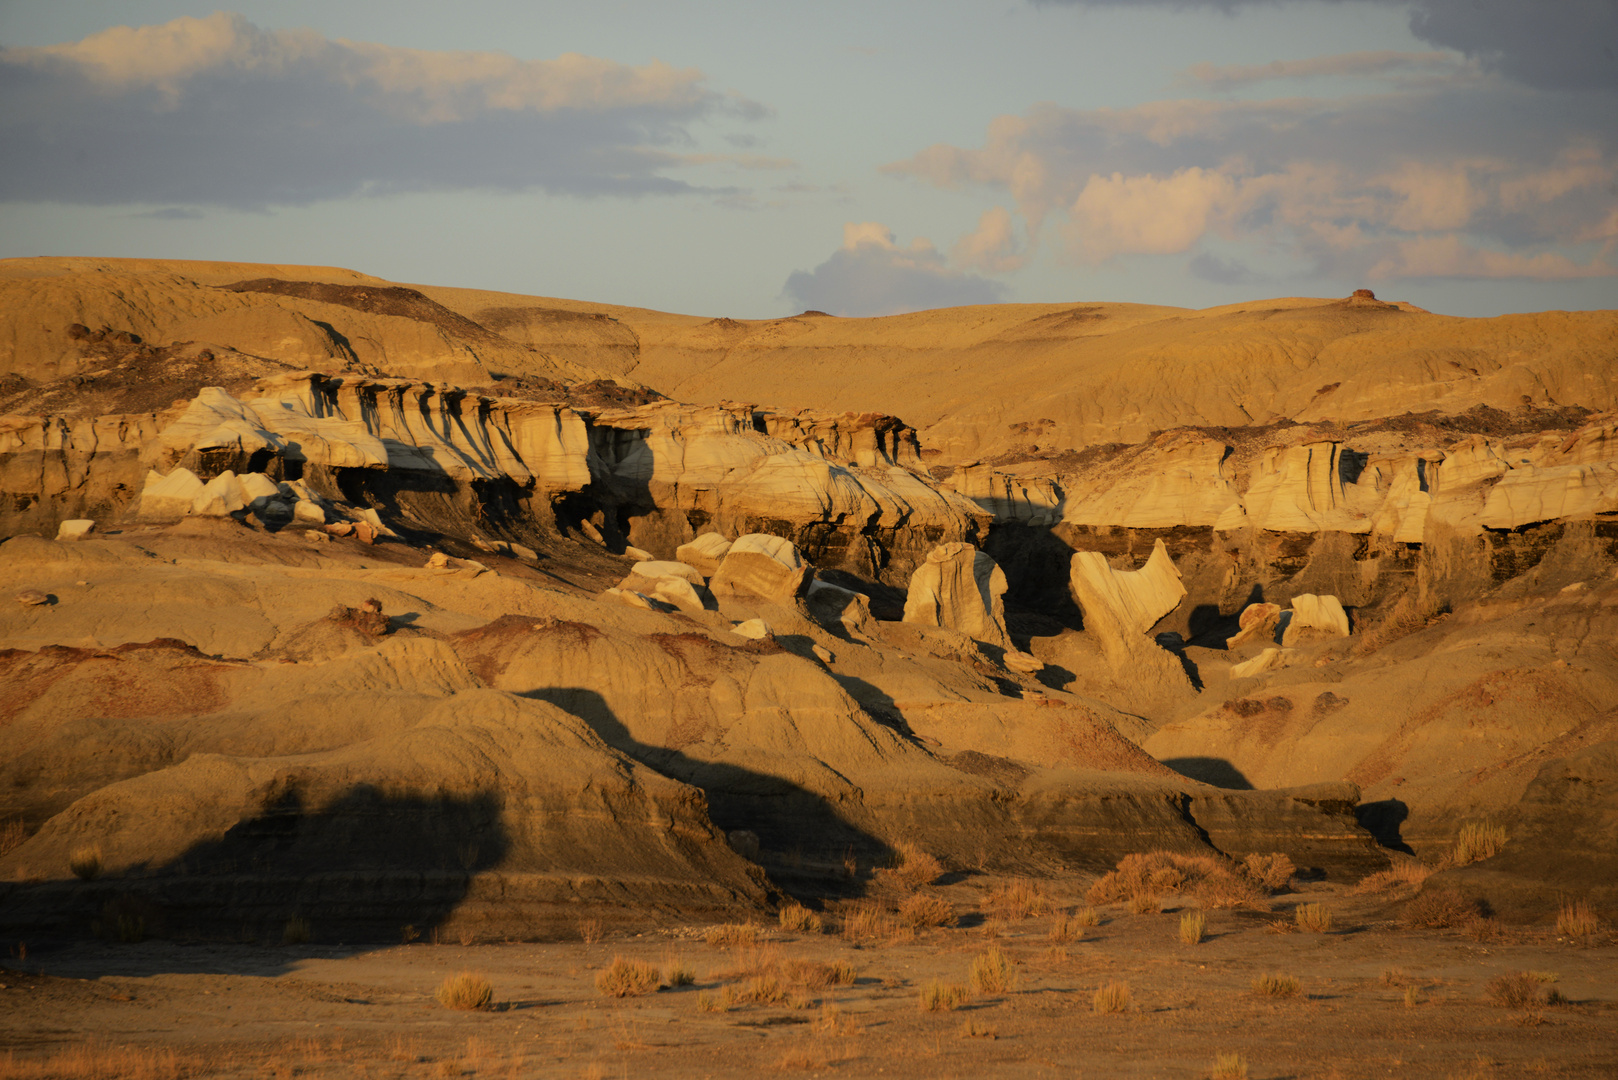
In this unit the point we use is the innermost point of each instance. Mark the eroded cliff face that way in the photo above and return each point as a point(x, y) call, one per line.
point(1428, 598)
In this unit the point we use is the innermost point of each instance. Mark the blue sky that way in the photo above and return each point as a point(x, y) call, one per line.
point(750, 159)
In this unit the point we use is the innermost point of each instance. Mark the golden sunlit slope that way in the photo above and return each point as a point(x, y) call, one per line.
point(981, 380)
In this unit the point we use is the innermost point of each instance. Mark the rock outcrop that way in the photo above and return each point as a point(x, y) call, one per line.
point(960, 587)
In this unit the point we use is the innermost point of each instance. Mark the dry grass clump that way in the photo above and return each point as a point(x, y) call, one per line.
point(85, 862)
point(629, 978)
point(12, 835)
point(1087, 917)
point(1273, 872)
point(730, 935)
point(1437, 909)
point(762, 990)
point(676, 973)
point(922, 911)
point(1402, 873)
point(993, 972)
point(1412, 997)
point(1478, 840)
point(1212, 882)
point(1066, 928)
point(466, 990)
point(815, 975)
point(1276, 986)
point(1577, 919)
point(1145, 903)
point(912, 867)
point(1193, 927)
point(976, 1029)
point(939, 996)
point(1114, 997)
point(715, 1003)
point(802, 1058)
point(1228, 1066)
point(589, 931)
point(98, 1061)
point(1312, 918)
point(870, 921)
point(1523, 990)
point(800, 920)
point(1019, 898)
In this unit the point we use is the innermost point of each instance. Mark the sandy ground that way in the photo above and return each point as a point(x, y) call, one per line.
point(328, 1011)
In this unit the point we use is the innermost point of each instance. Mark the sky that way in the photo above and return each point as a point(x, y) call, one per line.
point(747, 159)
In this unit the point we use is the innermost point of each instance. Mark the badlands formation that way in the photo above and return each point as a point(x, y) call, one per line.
point(470, 613)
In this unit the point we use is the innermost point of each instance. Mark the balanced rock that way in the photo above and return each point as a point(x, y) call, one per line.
point(761, 565)
point(962, 588)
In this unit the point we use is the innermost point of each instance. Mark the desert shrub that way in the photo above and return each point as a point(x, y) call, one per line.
point(1276, 986)
point(1577, 919)
point(85, 862)
point(1114, 997)
point(1212, 882)
point(676, 973)
point(1228, 1066)
point(1518, 990)
point(870, 921)
point(1436, 909)
point(763, 990)
point(629, 978)
point(993, 972)
point(466, 990)
point(12, 835)
point(800, 920)
point(1087, 916)
point(1193, 926)
point(296, 931)
point(912, 867)
point(1145, 903)
point(1019, 898)
point(1481, 929)
point(1394, 976)
point(921, 911)
point(976, 1029)
point(730, 935)
point(1404, 872)
point(1478, 840)
point(816, 975)
point(712, 1003)
point(1065, 928)
point(1412, 997)
point(938, 996)
point(589, 931)
point(1272, 872)
point(1314, 918)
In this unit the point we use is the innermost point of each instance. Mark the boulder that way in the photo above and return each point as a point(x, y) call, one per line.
point(753, 629)
point(837, 608)
point(656, 568)
point(961, 588)
point(1314, 616)
point(169, 496)
point(1253, 621)
point(705, 553)
point(76, 529)
point(764, 566)
point(1120, 606)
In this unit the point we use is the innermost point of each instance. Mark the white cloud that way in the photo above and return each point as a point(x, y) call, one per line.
point(218, 111)
point(1341, 183)
point(872, 275)
point(1450, 256)
point(991, 247)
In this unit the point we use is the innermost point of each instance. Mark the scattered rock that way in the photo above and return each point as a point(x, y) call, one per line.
point(705, 553)
point(768, 567)
point(1314, 616)
point(75, 529)
point(1254, 620)
point(33, 598)
point(754, 629)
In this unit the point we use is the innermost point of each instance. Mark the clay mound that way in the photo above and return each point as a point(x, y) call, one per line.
point(395, 830)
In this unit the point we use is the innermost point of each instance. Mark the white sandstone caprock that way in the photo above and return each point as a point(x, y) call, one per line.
point(660, 568)
point(76, 529)
point(1321, 616)
point(705, 553)
point(753, 629)
point(1264, 661)
point(962, 588)
point(1120, 606)
point(758, 564)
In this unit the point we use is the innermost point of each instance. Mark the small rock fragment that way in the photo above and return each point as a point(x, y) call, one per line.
point(32, 598)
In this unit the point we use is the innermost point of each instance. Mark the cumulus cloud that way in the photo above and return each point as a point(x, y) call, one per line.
point(1348, 184)
point(219, 111)
point(1557, 44)
point(991, 247)
point(872, 275)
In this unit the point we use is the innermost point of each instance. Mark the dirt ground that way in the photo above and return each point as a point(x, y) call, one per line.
point(232, 1010)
